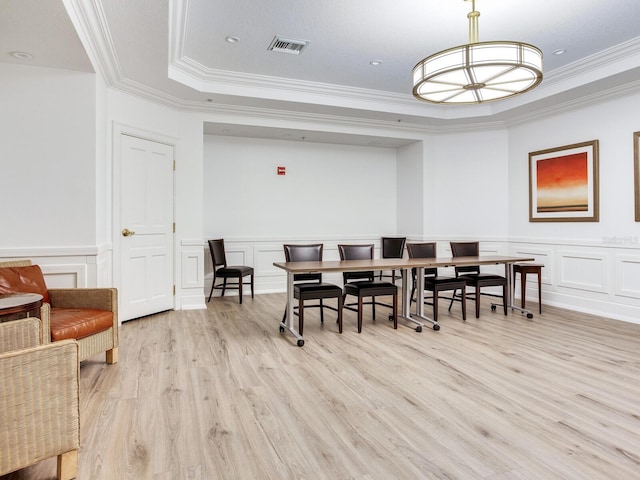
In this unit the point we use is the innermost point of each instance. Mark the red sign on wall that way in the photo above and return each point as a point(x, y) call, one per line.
point(282, 170)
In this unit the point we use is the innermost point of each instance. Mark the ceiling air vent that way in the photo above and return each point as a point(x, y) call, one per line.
point(287, 45)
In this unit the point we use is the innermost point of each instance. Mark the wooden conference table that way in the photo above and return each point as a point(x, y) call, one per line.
point(404, 265)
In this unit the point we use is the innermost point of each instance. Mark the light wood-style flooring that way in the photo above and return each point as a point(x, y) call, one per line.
point(221, 394)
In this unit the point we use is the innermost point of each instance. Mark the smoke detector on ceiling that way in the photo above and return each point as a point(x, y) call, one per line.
point(287, 45)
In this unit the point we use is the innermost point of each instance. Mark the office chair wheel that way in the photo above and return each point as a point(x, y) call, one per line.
point(418, 329)
point(493, 308)
point(281, 329)
point(300, 343)
point(529, 315)
point(436, 327)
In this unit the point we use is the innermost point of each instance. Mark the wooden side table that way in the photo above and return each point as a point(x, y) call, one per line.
point(523, 269)
point(19, 305)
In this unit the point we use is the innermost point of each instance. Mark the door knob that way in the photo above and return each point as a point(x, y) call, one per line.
point(127, 233)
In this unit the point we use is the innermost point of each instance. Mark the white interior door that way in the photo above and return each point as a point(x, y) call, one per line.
point(146, 227)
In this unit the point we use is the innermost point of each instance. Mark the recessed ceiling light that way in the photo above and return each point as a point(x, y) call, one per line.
point(21, 55)
point(559, 51)
point(231, 39)
point(375, 63)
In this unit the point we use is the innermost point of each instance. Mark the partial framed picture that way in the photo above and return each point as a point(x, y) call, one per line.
point(563, 184)
point(636, 172)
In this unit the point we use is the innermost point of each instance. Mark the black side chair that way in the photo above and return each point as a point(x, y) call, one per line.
point(392, 247)
point(362, 284)
point(472, 276)
point(432, 281)
point(224, 271)
point(309, 286)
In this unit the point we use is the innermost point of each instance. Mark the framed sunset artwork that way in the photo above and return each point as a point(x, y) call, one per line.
point(563, 184)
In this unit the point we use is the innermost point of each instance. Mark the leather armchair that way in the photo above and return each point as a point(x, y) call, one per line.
point(39, 399)
point(88, 315)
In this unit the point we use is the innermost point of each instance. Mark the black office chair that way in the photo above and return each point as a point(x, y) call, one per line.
point(392, 247)
point(362, 284)
point(224, 271)
point(432, 281)
point(474, 278)
point(309, 286)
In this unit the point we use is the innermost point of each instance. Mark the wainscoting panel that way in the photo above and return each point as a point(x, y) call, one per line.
point(627, 278)
point(239, 253)
point(582, 271)
point(65, 275)
point(541, 255)
point(593, 277)
point(268, 277)
point(266, 254)
point(192, 268)
point(261, 254)
point(190, 293)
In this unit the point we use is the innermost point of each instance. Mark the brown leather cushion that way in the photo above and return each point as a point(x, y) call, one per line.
point(27, 279)
point(77, 323)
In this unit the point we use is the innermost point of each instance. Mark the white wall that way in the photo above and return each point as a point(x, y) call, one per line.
point(51, 183)
point(328, 190)
point(589, 266)
point(47, 158)
point(56, 166)
point(411, 189)
point(611, 123)
point(468, 198)
point(57, 176)
point(330, 194)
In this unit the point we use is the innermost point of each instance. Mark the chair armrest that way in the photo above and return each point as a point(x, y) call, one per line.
point(19, 334)
point(100, 298)
point(39, 404)
point(45, 324)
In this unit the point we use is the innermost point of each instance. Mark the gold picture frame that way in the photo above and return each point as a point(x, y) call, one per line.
point(636, 173)
point(563, 184)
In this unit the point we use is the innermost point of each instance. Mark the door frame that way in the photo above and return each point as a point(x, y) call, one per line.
point(118, 130)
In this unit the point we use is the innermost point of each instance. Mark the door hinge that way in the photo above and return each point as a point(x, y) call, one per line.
point(174, 227)
point(174, 165)
point(174, 290)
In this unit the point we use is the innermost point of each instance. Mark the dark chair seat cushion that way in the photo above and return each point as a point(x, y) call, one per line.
point(482, 277)
point(234, 271)
point(77, 323)
point(316, 290)
point(367, 288)
point(451, 282)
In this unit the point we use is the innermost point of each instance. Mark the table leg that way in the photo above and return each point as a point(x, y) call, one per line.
point(406, 301)
point(420, 299)
point(510, 289)
point(289, 320)
point(540, 290)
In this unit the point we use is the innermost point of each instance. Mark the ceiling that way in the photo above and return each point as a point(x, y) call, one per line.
point(174, 52)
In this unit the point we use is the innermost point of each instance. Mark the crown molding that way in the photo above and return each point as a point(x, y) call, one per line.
point(573, 104)
point(623, 53)
point(89, 20)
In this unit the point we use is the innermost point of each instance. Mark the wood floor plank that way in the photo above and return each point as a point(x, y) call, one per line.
point(222, 394)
